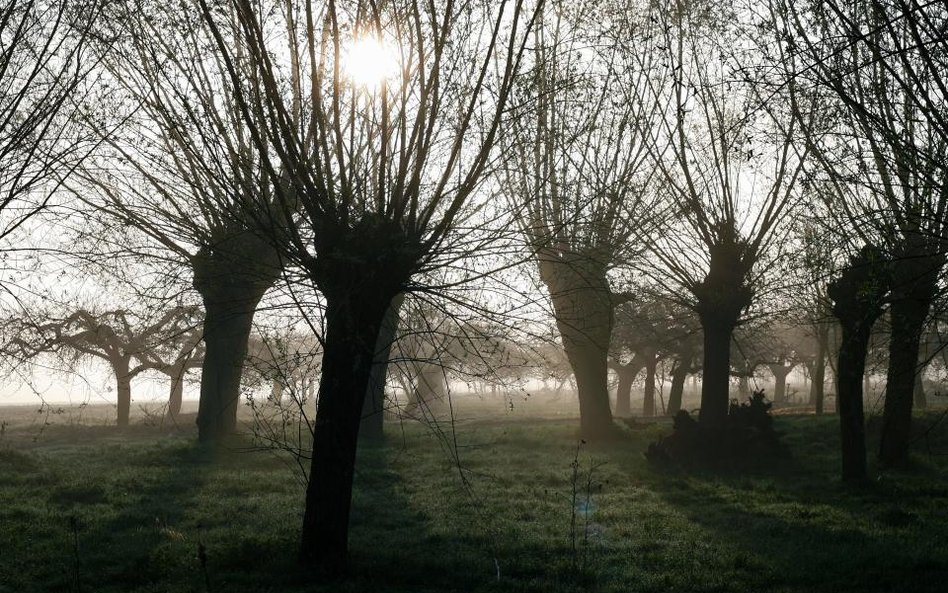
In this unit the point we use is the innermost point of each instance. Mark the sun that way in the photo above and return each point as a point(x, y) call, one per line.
point(369, 61)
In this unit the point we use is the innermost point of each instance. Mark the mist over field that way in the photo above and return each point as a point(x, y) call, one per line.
point(493, 295)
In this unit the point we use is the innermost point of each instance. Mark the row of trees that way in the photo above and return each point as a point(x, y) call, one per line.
point(711, 157)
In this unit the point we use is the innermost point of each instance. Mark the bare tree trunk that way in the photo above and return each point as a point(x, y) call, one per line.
point(679, 374)
point(373, 410)
point(276, 390)
point(852, 365)
point(177, 392)
point(627, 374)
point(780, 373)
point(715, 387)
point(231, 277)
point(431, 387)
point(819, 381)
point(908, 321)
point(123, 380)
point(857, 296)
point(227, 328)
point(582, 303)
point(352, 331)
point(648, 407)
point(722, 297)
point(921, 402)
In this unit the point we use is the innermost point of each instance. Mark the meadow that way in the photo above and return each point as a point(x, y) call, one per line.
point(501, 502)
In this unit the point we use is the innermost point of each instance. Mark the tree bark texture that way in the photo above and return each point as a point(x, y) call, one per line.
point(583, 307)
point(780, 373)
point(914, 287)
point(352, 330)
point(226, 336)
point(908, 321)
point(359, 270)
point(176, 393)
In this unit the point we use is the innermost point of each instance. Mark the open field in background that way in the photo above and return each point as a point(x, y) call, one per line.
point(92, 508)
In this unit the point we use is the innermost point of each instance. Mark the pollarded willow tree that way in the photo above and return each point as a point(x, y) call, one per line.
point(373, 173)
point(179, 163)
point(729, 164)
point(883, 67)
point(577, 171)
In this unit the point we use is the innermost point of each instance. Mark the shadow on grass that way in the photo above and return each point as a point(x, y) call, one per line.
point(794, 526)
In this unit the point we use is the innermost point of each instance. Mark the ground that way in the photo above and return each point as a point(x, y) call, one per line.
point(86, 507)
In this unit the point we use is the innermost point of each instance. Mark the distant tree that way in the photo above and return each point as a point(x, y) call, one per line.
point(176, 355)
point(128, 343)
point(818, 258)
point(648, 331)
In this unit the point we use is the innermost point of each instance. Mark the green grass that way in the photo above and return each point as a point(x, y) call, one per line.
point(141, 502)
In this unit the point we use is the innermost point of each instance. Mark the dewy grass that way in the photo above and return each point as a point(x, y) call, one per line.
point(137, 513)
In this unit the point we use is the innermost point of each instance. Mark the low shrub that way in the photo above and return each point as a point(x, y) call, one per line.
point(747, 438)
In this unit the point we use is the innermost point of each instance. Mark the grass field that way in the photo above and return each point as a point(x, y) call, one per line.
point(86, 507)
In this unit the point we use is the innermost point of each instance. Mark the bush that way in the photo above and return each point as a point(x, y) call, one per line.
point(748, 437)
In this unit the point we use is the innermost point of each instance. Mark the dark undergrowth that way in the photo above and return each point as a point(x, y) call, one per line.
point(526, 510)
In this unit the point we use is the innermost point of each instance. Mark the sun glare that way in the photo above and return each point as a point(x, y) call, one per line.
point(369, 61)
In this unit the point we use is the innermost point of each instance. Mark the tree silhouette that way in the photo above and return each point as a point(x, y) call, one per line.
point(129, 343)
point(883, 68)
point(716, 135)
point(577, 170)
point(179, 163)
point(371, 182)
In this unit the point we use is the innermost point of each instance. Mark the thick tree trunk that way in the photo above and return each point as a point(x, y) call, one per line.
point(276, 390)
point(722, 298)
point(590, 371)
point(908, 321)
point(818, 369)
point(373, 410)
point(857, 294)
point(627, 374)
point(819, 380)
point(227, 328)
point(679, 374)
point(780, 373)
point(583, 307)
point(231, 275)
point(851, 367)
point(715, 387)
point(648, 407)
point(123, 382)
point(624, 394)
point(352, 330)
point(431, 388)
